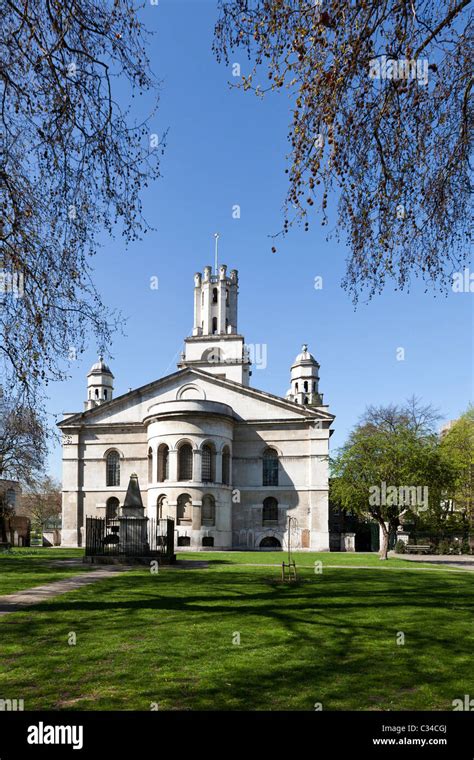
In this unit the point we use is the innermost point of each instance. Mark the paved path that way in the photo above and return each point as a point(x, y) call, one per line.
point(456, 560)
point(21, 599)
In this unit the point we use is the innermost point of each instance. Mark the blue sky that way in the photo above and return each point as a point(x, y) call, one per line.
point(226, 147)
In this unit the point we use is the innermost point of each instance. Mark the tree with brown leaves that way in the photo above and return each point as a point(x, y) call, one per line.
point(73, 164)
point(380, 118)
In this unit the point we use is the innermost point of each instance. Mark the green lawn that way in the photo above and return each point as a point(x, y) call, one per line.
point(25, 568)
point(168, 639)
point(306, 559)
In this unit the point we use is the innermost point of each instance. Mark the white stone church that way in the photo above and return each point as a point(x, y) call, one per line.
point(229, 463)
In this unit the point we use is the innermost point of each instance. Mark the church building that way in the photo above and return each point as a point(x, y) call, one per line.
point(227, 462)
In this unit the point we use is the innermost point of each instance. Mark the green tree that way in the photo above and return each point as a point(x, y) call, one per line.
point(457, 444)
point(380, 121)
point(391, 466)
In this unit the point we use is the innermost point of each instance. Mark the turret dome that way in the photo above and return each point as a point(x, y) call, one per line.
point(305, 357)
point(100, 368)
point(305, 379)
point(100, 384)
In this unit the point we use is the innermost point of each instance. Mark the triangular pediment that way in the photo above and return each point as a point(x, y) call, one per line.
point(246, 403)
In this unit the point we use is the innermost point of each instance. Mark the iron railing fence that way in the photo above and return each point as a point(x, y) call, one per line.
point(129, 536)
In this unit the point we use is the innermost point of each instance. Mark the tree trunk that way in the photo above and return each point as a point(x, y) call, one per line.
point(385, 536)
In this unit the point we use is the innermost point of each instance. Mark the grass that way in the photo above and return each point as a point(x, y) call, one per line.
point(307, 559)
point(25, 568)
point(168, 639)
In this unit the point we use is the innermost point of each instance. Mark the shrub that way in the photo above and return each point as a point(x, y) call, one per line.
point(465, 548)
point(400, 547)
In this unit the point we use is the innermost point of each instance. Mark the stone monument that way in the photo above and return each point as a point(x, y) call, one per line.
point(133, 533)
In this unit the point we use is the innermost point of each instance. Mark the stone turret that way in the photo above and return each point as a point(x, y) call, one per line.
point(215, 302)
point(305, 380)
point(215, 345)
point(100, 384)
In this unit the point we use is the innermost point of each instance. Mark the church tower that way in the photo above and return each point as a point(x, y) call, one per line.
point(215, 345)
point(100, 384)
point(305, 380)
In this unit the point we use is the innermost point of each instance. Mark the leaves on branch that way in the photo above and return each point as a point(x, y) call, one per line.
point(392, 150)
point(73, 163)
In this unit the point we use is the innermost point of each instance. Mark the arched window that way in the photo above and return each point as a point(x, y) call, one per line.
point(314, 387)
point(185, 462)
point(208, 462)
point(296, 387)
point(214, 325)
point(226, 466)
point(97, 393)
point(214, 295)
point(111, 508)
point(305, 385)
point(150, 465)
point(163, 459)
point(184, 510)
point(11, 498)
point(270, 511)
point(270, 467)
point(113, 469)
point(105, 394)
point(161, 506)
point(227, 296)
point(208, 513)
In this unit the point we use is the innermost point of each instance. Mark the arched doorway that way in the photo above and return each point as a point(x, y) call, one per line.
point(270, 542)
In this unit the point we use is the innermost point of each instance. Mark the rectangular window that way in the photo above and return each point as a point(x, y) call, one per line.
point(206, 465)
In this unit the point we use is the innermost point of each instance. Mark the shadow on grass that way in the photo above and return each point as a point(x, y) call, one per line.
point(168, 638)
point(258, 593)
